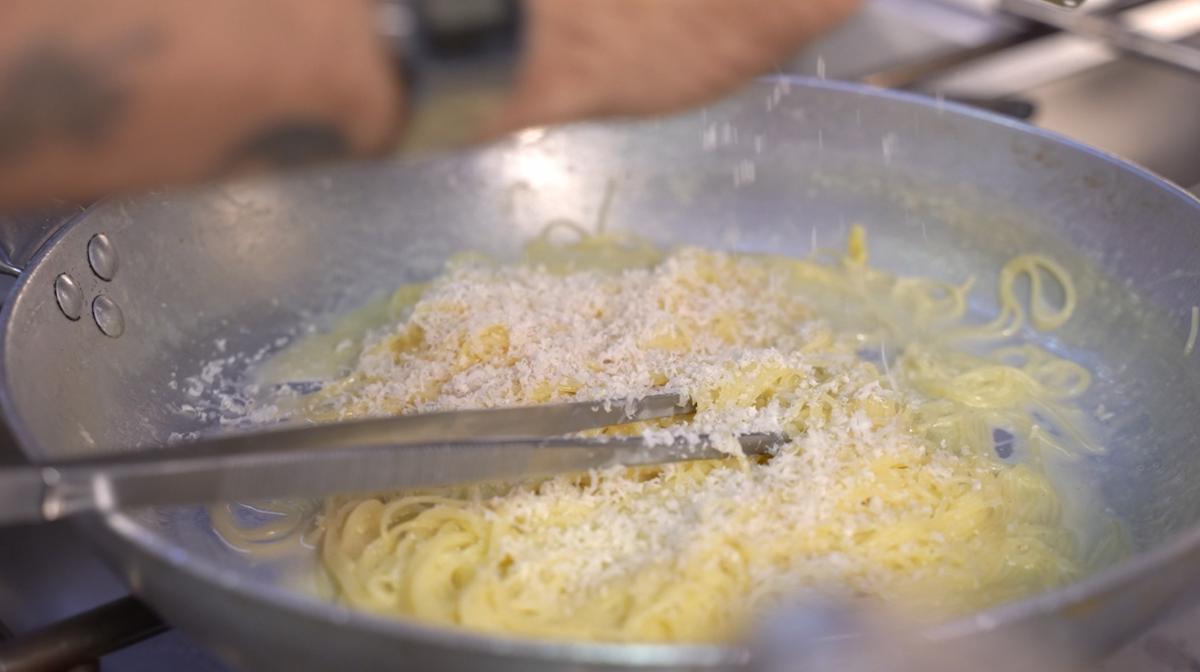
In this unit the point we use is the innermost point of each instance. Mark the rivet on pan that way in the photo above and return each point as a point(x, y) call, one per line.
point(108, 316)
point(102, 256)
point(69, 296)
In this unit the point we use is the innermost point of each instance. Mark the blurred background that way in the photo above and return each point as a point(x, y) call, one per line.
point(1143, 111)
point(969, 50)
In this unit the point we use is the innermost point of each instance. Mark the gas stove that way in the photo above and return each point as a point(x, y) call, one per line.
point(959, 49)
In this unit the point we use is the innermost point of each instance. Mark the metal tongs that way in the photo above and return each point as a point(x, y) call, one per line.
point(405, 452)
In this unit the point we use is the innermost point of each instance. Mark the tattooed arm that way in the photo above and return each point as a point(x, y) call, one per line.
point(99, 96)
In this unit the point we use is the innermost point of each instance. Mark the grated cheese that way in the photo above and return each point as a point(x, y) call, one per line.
point(883, 492)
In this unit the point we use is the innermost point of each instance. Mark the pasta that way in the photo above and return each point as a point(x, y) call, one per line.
point(891, 487)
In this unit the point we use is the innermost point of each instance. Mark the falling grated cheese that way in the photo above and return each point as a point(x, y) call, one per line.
point(1190, 346)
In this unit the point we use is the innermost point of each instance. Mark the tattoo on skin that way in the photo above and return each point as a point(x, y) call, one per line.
point(54, 94)
point(288, 144)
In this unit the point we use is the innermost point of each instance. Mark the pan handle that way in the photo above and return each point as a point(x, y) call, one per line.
point(81, 638)
point(22, 235)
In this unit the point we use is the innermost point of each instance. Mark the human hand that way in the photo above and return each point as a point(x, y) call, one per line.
point(589, 58)
point(104, 96)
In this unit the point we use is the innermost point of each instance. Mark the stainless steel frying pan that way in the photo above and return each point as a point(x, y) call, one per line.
point(189, 277)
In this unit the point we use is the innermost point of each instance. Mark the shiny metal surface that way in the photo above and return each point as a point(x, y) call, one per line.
point(22, 235)
point(102, 257)
point(1059, 56)
point(8, 268)
point(69, 296)
point(963, 48)
point(108, 316)
point(1146, 113)
point(414, 451)
point(267, 256)
point(831, 635)
point(1109, 33)
point(263, 465)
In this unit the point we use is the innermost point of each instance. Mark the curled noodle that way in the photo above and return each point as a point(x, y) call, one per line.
point(890, 488)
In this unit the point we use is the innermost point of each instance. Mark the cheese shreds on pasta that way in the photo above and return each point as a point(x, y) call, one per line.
point(890, 487)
